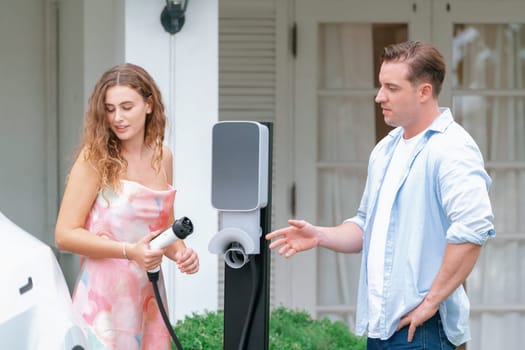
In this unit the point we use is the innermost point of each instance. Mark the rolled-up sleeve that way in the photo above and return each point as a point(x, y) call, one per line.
point(464, 186)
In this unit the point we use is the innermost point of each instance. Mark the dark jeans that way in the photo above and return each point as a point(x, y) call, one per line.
point(428, 336)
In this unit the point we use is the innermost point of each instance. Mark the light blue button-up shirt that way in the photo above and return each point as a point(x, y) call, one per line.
point(442, 198)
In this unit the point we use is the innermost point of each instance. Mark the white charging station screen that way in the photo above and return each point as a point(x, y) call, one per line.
point(235, 166)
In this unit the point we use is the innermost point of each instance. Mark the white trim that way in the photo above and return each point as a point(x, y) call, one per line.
point(304, 286)
point(283, 148)
point(51, 142)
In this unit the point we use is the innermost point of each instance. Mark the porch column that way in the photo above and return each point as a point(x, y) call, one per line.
point(185, 66)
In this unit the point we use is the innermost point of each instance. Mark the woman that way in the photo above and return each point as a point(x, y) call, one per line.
point(118, 197)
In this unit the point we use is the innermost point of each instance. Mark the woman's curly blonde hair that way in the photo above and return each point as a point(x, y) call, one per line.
point(102, 148)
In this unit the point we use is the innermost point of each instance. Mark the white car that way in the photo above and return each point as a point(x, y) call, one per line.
point(35, 305)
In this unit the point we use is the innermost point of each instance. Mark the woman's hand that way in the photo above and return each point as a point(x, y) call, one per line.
point(140, 252)
point(186, 258)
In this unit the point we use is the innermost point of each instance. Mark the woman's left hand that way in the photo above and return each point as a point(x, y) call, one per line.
point(187, 260)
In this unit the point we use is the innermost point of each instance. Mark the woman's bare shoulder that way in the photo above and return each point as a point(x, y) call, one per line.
point(167, 163)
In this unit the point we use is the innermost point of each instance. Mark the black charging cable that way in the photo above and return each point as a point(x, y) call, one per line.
point(181, 228)
point(252, 305)
point(154, 277)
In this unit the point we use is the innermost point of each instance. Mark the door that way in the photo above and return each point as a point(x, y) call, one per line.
point(28, 188)
point(485, 45)
point(337, 125)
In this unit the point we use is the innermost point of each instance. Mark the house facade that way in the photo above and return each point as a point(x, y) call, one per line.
point(310, 68)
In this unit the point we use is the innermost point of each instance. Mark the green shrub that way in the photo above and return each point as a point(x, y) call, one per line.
point(200, 332)
point(297, 330)
point(289, 330)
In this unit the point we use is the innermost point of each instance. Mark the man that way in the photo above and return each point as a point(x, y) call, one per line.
point(423, 217)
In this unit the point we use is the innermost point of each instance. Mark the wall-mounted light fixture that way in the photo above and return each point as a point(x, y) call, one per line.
point(173, 16)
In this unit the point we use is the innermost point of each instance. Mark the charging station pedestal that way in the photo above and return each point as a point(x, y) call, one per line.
point(238, 286)
point(241, 191)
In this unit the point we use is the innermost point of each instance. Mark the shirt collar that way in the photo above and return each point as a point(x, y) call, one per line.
point(440, 124)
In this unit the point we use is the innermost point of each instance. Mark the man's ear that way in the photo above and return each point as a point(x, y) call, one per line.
point(425, 91)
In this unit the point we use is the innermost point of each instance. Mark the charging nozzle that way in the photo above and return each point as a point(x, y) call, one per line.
point(180, 229)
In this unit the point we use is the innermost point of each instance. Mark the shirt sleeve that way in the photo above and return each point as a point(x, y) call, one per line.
point(464, 185)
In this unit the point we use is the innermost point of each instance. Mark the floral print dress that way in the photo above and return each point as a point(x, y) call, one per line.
point(115, 296)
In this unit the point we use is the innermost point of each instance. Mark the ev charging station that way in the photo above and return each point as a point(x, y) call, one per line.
point(241, 192)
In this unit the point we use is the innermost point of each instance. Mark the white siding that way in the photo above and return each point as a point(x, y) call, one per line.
point(247, 69)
